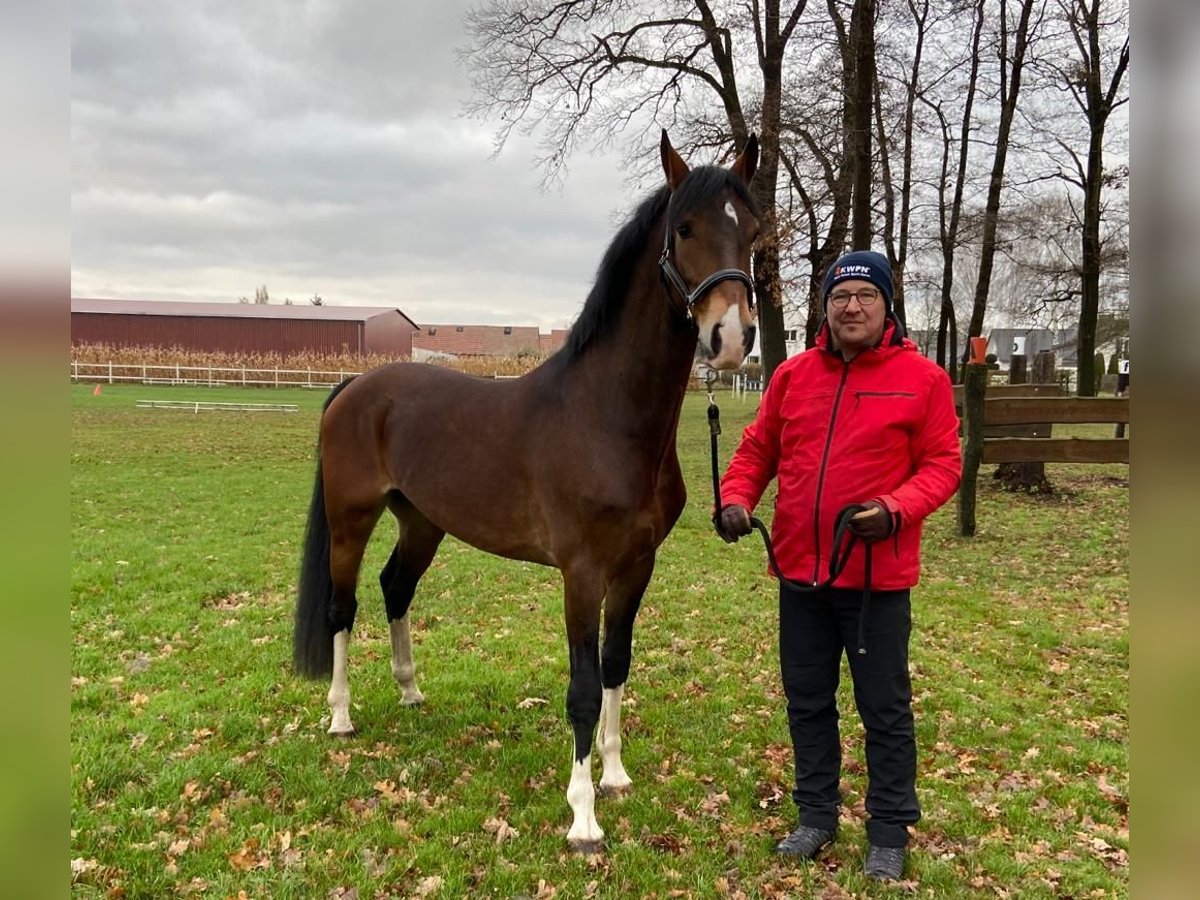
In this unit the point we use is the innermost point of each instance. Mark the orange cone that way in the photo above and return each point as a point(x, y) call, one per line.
point(978, 351)
point(96, 392)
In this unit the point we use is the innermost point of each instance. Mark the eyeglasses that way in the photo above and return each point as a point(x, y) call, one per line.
point(866, 296)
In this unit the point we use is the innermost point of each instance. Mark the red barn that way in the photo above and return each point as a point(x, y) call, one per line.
point(242, 327)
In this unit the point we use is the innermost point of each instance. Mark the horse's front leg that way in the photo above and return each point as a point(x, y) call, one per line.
point(584, 592)
point(621, 603)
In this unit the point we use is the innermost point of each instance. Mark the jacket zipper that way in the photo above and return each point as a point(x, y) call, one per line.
point(837, 401)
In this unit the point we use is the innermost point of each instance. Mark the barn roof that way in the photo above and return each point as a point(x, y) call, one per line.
point(233, 310)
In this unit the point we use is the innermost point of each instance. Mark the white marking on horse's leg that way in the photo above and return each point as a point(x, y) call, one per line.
point(339, 687)
point(731, 212)
point(608, 740)
point(403, 669)
point(585, 834)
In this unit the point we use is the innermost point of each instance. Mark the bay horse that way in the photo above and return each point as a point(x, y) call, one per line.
point(572, 465)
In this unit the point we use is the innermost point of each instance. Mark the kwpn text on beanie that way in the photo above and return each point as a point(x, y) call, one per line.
point(863, 265)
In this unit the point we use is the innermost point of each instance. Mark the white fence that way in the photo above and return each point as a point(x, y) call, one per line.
point(212, 376)
point(743, 384)
point(215, 376)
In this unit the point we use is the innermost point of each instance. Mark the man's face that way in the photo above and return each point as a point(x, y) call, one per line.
point(857, 325)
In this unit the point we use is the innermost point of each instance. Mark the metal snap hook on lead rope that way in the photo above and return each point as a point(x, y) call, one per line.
point(714, 414)
point(710, 378)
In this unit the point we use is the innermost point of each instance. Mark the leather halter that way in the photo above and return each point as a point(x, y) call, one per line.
point(670, 276)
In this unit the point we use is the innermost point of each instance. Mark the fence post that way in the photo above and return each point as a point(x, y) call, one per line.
point(975, 380)
point(110, 375)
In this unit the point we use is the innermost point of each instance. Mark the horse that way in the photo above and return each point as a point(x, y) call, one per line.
point(572, 465)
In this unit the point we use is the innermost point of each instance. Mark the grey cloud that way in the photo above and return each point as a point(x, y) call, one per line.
point(314, 146)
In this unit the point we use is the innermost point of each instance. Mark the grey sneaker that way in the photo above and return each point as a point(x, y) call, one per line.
point(805, 842)
point(885, 863)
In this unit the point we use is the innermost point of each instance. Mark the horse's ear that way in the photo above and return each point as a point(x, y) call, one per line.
point(747, 162)
point(673, 165)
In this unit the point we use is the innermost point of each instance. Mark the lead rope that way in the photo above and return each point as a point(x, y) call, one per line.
point(841, 528)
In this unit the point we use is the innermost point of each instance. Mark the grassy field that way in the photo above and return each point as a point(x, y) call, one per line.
point(200, 765)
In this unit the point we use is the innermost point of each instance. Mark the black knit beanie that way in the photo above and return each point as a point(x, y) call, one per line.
point(864, 265)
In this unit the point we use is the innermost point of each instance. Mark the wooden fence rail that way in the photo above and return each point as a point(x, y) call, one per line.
point(1013, 423)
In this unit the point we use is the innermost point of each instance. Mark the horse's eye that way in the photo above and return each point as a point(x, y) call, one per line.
point(684, 230)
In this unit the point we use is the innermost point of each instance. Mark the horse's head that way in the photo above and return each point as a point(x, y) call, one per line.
point(711, 224)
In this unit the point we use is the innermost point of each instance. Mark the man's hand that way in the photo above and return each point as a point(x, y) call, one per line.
point(872, 524)
point(733, 522)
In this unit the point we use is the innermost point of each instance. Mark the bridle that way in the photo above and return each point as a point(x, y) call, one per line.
point(671, 278)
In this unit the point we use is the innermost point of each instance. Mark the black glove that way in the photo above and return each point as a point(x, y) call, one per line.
point(733, 522)
point(873, 524)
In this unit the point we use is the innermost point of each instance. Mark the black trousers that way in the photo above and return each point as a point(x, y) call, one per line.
point(814, 630)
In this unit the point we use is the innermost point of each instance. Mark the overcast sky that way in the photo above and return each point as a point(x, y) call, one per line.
point(314, 146)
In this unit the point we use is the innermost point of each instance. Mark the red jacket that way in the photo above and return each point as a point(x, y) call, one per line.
point(881, 427)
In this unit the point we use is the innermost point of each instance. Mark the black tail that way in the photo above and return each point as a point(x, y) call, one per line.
point(312, 637)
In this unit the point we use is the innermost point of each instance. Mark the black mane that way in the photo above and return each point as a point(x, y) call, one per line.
point(607, 296)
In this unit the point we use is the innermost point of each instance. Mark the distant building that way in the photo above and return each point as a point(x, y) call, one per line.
point(243, 327)
point(485, 340)
point(1004, 342)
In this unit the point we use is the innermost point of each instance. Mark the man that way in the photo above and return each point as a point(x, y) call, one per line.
point(860, 418)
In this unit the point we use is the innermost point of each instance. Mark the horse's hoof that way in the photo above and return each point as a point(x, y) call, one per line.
point(343, 732)
point(414, 699)
point(586, 848)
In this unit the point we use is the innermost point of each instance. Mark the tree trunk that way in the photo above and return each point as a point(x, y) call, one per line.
point(975, 380)
point(1029, 477)
point(767, 284)
point(862, 42)
point(1098, 101)
point(1089, 307)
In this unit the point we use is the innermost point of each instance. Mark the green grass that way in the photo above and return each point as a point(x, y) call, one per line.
point(200, 763)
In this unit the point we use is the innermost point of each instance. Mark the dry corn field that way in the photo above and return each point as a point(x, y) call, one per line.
point(130, 359)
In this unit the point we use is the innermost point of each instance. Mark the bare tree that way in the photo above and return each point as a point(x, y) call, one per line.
point(1041, 241)
point(816, 150)
point(316, 300)
point(1012, 64)
point(588, 70)
point(1095, 93)
point(261, 297)
point(954, 114)
point(898, 219)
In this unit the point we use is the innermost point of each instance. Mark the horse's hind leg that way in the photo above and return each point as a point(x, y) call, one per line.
point(621, 604)
point(349, 531)
point(414, 551)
